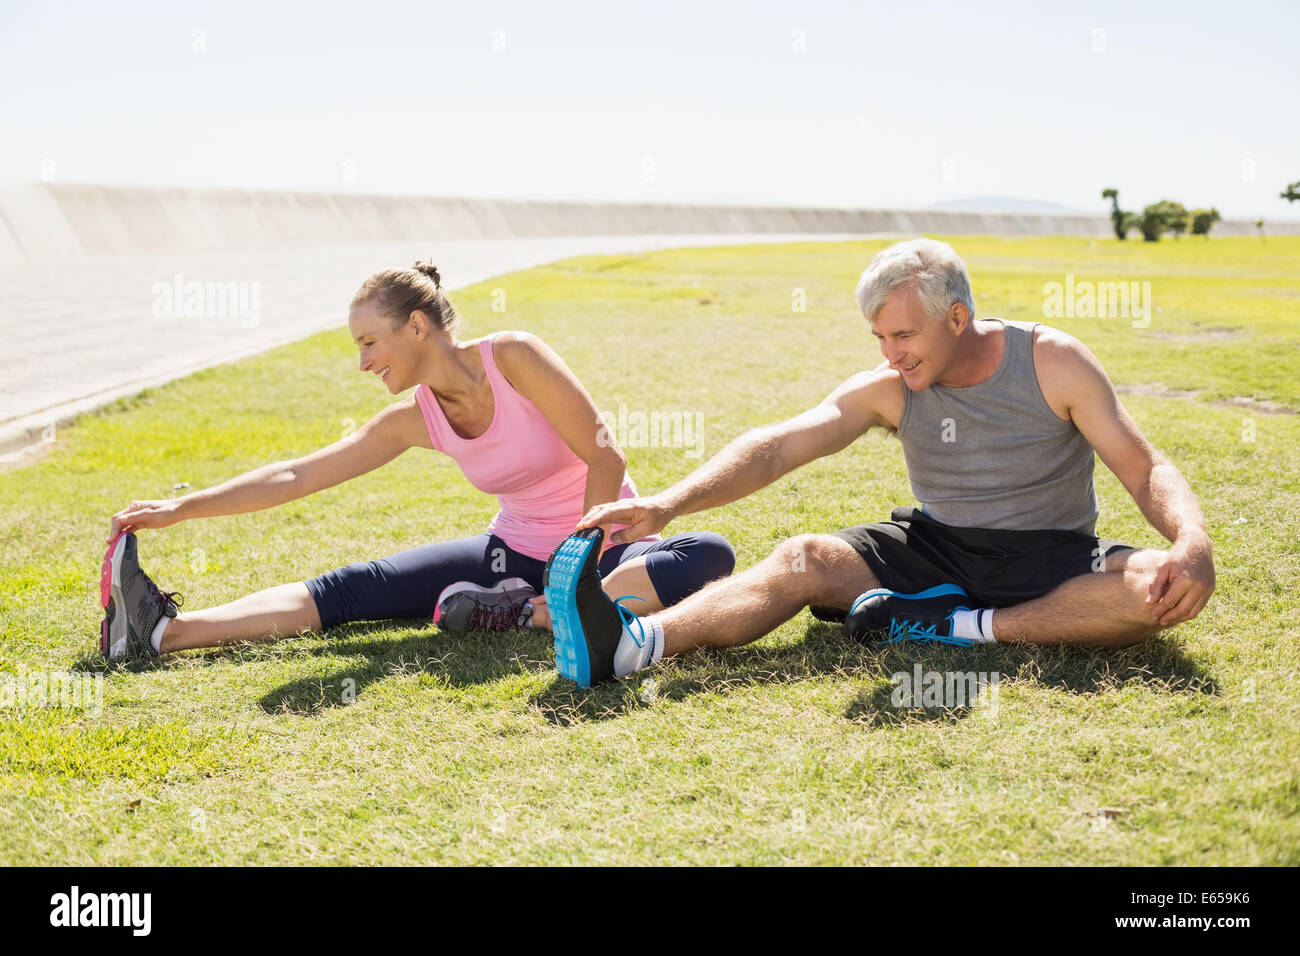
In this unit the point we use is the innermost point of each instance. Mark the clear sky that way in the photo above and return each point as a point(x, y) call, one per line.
point(803, 103)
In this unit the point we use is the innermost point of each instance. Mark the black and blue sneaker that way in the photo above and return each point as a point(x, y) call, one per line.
point(586, 623)
point(887, 617)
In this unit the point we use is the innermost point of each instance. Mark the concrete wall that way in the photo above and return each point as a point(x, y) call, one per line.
point(48, 223)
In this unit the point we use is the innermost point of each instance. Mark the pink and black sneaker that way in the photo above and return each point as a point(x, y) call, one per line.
point(464, 606)
point(132, 603)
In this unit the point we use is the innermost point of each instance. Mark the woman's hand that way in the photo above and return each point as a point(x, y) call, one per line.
point(144, 514)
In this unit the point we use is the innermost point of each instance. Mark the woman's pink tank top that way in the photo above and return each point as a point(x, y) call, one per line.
point(538, 480)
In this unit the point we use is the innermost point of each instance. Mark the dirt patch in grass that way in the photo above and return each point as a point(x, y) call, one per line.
point(1157, 390)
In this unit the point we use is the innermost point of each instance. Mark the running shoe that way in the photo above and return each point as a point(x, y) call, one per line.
point(504, 606)
point(132, 603)
point(887, 617)
point(586, 623)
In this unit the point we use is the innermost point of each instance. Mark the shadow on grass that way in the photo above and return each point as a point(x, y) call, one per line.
point(374, 651)
point(479, 658)
point(248, 650)
point(457, 660)
point(1158, 664)
point(565, 704)
point(705, 672)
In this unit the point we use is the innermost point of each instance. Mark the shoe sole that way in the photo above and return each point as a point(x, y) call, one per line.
point(936, 639)
point(560, 585)
point(112, 636)
point(460, 587)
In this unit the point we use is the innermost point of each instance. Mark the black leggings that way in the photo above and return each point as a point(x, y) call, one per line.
point(407, 584)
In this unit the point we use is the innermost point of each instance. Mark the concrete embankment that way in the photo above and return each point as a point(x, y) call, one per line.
point(41, 223)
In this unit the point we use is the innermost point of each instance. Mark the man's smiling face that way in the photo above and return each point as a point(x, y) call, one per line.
point(913, 342)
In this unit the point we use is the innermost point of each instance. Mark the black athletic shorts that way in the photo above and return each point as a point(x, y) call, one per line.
point(996, 568)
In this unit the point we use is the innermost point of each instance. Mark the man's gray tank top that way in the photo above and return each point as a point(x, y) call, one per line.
point(995, 455)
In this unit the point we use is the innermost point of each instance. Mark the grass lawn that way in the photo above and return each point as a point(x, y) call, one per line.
point(393, 743)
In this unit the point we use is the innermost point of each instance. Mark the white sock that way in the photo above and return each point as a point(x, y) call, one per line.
point(156, 637)
point(657, 629)
point(631, 656)
point(976, 625)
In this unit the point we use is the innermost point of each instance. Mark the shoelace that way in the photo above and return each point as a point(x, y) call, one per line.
point(628, 618)
point(925, 634)
point(496, 617)
point(164, 597)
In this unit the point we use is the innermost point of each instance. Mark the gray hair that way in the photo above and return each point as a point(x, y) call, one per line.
point(932, 267)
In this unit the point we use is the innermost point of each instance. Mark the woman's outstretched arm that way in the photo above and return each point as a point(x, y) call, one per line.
point(375, 443)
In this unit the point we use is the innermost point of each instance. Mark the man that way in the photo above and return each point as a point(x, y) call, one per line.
point(998, 422)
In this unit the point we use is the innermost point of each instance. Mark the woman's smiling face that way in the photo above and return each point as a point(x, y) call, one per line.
point(384, 350)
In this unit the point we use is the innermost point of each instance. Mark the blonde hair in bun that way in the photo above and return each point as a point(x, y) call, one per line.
point(399, 292)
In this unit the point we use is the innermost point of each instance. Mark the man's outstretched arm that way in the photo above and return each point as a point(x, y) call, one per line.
point(1184, 580)
point(755, 459)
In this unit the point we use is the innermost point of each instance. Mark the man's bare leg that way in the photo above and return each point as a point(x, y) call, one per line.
point(281, 611)
point(1105, 609)
point(808, 569)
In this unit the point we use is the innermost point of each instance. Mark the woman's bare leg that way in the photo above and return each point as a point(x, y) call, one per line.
point(631, 577)
point(287, 610)
point(282, 611)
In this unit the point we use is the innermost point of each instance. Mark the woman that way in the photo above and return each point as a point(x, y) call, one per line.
point(519, 424)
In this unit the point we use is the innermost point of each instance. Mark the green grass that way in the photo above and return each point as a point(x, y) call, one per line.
point(388, 743)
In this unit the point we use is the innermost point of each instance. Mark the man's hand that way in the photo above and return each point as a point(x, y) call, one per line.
point(643, 516)
point(1184, 581)
point(143, 514)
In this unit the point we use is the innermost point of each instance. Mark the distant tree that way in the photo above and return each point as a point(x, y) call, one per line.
point(1178, 219)
point(1203, 221)
point(1122, 221)
point(1292, 192)
point(1161, 217)
point(1259, 224)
